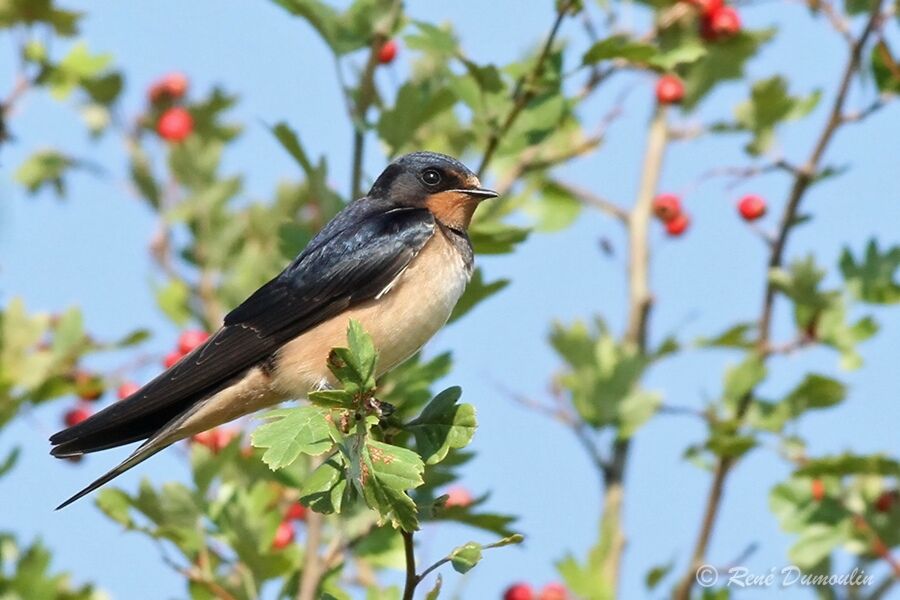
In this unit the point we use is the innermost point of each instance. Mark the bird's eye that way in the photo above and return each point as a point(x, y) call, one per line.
point(431, 177)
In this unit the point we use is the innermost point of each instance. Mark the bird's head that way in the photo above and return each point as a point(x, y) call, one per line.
point(434, 181)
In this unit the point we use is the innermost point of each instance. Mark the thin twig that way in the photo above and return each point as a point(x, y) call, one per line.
point(525, 89)
point(589, 198)
point(313, 569)
point(366, 96)
point(412, 580)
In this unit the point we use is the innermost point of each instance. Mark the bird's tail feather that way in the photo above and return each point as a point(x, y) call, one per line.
point(142, 453)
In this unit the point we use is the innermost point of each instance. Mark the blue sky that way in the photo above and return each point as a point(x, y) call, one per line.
point(91, 251)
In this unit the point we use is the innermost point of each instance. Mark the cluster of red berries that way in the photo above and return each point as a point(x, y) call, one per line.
point(884, 503)
point(89, 388)
point(523, 591)
point(718, 21)
point(286, 533)
point(187, 341)
point(667, 208)
point(175, 123)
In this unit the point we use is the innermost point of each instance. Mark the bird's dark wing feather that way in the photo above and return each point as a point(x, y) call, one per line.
point(352, 260)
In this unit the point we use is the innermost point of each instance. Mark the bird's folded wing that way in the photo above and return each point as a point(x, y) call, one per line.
point(341, 267)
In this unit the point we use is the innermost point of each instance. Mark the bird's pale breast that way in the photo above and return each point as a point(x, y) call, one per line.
point(400, 320)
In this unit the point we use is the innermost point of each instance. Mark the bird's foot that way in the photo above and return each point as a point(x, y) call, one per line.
point(380, 409)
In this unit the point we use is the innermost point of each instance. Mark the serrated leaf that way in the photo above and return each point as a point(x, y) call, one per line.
point(873, 277)
point(291, 432)
point(742, 378)
point(388, 472)
point(443, 425)
point(325, 488)
point(851, 464)
point(618, 46)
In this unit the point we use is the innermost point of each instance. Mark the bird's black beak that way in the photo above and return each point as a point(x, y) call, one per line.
point(481, 193)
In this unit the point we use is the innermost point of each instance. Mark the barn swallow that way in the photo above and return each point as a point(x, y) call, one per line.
point(396, 261)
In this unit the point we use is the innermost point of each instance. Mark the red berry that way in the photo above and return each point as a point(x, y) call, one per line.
point(678, 225)
point(284, 536)
point(666, 207)
point(127, 389)
point(887, 500)
point(387, 52)
point(88, 387)
point(205, 438)
point(76, 415)
point(554, 591)
point(295, 512)
point(707, 6)
point(172, 86)
point(669, 89)
point(723, 22)
point(751, 207)
point(171, 359)
point(818, 490)
point(518, 591)
point(190, 339)
point(175, 124)
point(458, 496)
point(215, 439)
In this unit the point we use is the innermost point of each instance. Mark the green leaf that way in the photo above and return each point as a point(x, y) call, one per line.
point(816, 542)
point(8, 463)
point(851, 464)
point(389, 471)
point(552, 206)
point(741, 379)
point(816, 391)
point(291, 432)
point(769, 105)
point(344, 31)
point(476, 291)
point(434, 592)
point(173, 299)
point(443, 425)
point(635, 410)
point(618, 46)
point(885, 69)
point(116, 505)
point(326, 488)
point(465, 557)
point(687, 52)
point(657, 574)
point(737, 336)
point(437, 40)
point(30, 12)
point(417, 103)
point(873, 278)
point(76, 68)
point(494, 237)
point(723, 61)
point(291, 142)
point(44, 168)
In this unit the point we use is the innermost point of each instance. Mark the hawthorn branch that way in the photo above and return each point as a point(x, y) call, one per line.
point(803, 178)
point(366, 96)
point(525, 90)
point(589, 198)
point(313, 565)
point(412, 580)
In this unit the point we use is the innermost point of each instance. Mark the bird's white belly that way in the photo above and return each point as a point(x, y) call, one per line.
point(400, 321)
